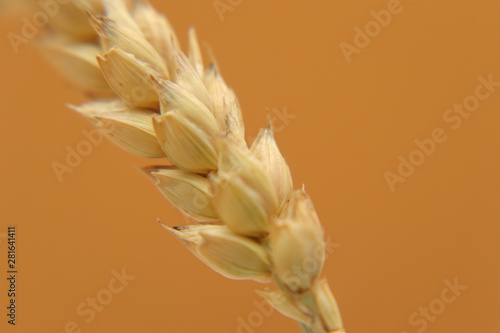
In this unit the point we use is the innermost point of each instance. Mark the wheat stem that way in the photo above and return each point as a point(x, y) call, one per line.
point(305, 328)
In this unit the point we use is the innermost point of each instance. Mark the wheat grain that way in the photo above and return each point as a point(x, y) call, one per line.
point(168, 104)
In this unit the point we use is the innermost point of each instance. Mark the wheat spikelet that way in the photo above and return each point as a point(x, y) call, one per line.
point(154, 101)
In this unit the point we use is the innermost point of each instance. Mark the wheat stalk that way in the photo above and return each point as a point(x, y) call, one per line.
point(154, 101)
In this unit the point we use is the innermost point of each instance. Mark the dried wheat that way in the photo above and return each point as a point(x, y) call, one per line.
point(154, 101)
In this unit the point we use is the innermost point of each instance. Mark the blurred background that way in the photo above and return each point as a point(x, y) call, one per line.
point(415, 236)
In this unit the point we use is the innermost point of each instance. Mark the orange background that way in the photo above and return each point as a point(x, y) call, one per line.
point(352, 121)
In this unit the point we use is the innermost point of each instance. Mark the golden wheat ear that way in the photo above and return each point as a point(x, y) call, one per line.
point(154, 101)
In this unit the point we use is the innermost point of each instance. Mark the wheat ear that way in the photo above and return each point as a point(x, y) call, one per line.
point(154, 101)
